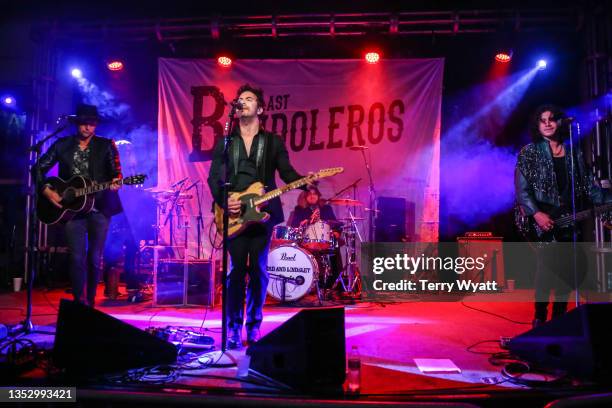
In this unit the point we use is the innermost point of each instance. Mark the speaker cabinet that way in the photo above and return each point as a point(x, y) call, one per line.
point(89, 341)
point(578, 342)
point(307, 352)
point(179, 283)
point(395, 220)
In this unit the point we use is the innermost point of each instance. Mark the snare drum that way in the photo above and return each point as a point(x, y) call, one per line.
point(291, 267)
point(283, 235)
point(319, 237)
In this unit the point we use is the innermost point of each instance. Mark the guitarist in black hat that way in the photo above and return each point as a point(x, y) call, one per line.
point(255, 155)
point(543, 193)
point(84, 154)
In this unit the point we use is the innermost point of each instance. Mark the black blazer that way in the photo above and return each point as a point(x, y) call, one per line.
point(276, 158)
point(104, 166)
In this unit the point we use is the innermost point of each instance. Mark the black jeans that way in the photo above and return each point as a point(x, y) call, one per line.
point(249, 256)
point(85, 236)
point(555, 274)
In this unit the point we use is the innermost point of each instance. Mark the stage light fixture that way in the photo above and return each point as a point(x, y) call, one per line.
point(503, 56)
point(224, 61)
point(541, 64)
point(115, 65)
point(76, 73)
point(372, 57)
point(8, 101)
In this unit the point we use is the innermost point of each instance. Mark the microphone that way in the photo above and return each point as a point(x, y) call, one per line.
point(236, 104)
point(179, 182)
point(358, 148)
point(565, 121)
point(192, 186)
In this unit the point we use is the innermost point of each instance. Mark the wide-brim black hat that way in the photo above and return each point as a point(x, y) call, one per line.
point(86, 114)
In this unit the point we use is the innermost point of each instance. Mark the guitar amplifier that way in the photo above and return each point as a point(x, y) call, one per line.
point(183, 283)
point(484, 244)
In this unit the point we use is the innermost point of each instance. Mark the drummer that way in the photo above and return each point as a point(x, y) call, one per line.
point(311, 209)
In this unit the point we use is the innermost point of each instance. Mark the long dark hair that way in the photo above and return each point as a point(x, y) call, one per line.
point(302, 197)
point(534, 123)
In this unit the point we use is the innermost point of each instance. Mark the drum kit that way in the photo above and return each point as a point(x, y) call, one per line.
point(171, 212)
point(299, 260)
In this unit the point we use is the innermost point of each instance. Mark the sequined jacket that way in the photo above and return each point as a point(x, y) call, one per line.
point(535, 182)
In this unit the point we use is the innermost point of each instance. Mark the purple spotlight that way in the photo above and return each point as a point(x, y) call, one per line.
point(541, 64)
point(8, 101)
point(76, 73)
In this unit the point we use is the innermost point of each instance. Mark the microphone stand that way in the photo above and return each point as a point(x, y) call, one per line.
point(31, 239)
point(372, 198)
point(353, 184)
point(228, 139)
point(574, 231)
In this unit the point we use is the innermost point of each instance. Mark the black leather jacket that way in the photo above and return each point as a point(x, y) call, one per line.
point(104, 166)
point(535, 181)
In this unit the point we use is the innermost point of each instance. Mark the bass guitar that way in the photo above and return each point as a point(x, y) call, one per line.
point(77, 197)
point(251, 201)
point(563, 220)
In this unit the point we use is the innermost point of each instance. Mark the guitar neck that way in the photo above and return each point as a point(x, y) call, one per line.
point(95, 187)
point(281, 190)
point(582, 215)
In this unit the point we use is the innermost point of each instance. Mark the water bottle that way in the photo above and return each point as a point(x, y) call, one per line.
point(354, 371)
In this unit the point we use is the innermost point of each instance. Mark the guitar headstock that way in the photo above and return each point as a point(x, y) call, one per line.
point(328, 172)
point(135, 180)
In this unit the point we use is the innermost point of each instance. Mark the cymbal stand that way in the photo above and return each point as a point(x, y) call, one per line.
point(350, 278)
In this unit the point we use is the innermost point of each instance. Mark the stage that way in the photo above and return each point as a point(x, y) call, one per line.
point(389, 337)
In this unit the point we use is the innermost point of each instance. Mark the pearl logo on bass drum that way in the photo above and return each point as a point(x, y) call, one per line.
point(285, 257)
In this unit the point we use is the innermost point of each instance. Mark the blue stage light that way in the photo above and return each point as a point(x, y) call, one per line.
point(541, 64)
point(9, 101)
point(76, 73)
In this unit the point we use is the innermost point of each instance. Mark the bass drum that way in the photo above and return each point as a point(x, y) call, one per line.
point(294, 269)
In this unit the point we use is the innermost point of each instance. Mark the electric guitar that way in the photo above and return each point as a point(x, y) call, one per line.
point(252, 200)
point(562, 219)
point(77, 197)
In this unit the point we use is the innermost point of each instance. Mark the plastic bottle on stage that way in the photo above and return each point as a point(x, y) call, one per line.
point(354, 371)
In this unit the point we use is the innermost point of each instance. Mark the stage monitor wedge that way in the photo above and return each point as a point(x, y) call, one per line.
point(88, 341)
point(579, 342)
point(307, 352)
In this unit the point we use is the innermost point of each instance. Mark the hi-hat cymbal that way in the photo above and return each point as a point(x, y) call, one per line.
point(344, 201)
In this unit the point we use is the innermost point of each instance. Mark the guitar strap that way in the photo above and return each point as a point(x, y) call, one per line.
point(236, 153)
point(259, 158)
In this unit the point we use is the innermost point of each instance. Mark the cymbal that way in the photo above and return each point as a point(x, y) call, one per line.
point(154, 190)
point(351, 219)
point(344, 201)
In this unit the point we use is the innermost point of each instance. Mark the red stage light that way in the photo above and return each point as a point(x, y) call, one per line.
point(503, 56)
point(115, 65)
point(224, 61)
point(372, 57)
